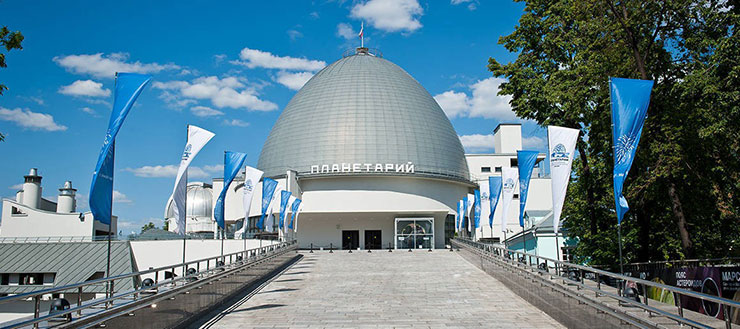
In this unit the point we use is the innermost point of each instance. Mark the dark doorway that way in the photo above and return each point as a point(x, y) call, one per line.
point(350, 240)
point(373, 239)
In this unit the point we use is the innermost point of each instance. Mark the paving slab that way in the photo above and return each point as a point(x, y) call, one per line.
point(401, 289)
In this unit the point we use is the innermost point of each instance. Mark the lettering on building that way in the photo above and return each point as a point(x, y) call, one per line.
point(406, 168)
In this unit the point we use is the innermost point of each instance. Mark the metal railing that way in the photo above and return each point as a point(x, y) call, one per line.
point(194, 271)
point(574, 274)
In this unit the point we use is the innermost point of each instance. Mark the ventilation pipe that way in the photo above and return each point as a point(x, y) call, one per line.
point(66, 202)
point(32, 189)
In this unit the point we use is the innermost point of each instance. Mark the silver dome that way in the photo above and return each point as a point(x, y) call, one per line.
point(363, 109)
point(199, 202)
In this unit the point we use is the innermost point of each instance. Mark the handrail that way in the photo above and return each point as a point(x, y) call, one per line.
point(111, 297)
point(560, 264)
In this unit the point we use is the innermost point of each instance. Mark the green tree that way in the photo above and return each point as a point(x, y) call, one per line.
point(685, 174)
point(147, 226)
point(8, 40)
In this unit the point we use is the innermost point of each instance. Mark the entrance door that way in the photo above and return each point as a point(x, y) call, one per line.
point(373, 239)
point(350, 239)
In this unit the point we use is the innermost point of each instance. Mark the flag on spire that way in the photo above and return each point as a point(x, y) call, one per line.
point(361, 35)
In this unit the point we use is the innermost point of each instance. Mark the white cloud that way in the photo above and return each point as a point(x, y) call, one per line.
point(294, 34)
point(89, 111)
point(119, 197)
point(453, 103)
point(534, 143)
point(390, 15)
point(293, 80)
point(236, 123)
point(204, 111)
point(30, 120)
point(477, 142)
point(16, 187)
point(345, 31)
point(253, 58)
point(101, 66)
point(483, 103)
point(472, 4)
point(170, 171)
point(87, 88)
point(226, 92)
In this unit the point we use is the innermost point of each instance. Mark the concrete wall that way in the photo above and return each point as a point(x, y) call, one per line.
point(39, 223)
point(168, 252)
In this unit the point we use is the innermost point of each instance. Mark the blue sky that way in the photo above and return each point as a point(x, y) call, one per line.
point(227, 67)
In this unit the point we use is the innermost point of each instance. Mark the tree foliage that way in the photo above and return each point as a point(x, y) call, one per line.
point(147, 226)
point(8, 40)
point(684, 184)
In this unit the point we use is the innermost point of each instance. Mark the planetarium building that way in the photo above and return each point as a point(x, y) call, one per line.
point(372, 155)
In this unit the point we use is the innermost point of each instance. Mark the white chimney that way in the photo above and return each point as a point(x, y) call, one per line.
point(66, 202)
point(507, 138)
point(32, 189)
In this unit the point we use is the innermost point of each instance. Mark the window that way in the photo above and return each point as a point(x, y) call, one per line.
point(498, 169)
point(4, 279)
point(31, 279)
point(485, 169)
point(514, 163)
point(516, 196)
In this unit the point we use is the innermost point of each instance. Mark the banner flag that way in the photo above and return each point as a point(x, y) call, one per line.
point(468, 207)
point(630, 99)
point(477, 209)
point(293, 210)
point(197, 138)
point(298, 212)
point(251, 178)
point(526, 160)
point(464, 222)
point(485, 195)
point(233, 162)
point(284, 198)
point(562, 144)
point(458, 223)
point(510, 177)
point(270, 221)
point(128, 86)
point(494, 186)
point(268, 188)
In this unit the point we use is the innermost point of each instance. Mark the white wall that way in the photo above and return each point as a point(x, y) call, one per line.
point(161, 253)
point(40, 223)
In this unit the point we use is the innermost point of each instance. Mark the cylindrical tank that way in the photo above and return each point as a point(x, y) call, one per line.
point(32, 189)
point(66, 202)
point(19, 196)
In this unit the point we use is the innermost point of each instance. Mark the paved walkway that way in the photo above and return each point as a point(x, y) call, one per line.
point(384, 290)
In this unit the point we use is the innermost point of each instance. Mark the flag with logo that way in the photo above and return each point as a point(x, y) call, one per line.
point(562, 146)
point(477, 209)
point(510, 177)
point(251, 178)
point(268, 189)
point(294, 212)
point(128, 87)
point(494, 187)
point(468, 207)
point(464, 217)
point(526, 160)
point(197, 138)
point(284, 199)
point(630, 99)
point(274, 204)
point(233, 162)
point(458, 224)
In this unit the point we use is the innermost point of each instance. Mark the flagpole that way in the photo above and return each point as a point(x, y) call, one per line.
point(184, 227)
point(619, 235)
point(110, 218)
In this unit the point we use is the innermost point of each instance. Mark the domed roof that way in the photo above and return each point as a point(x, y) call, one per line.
point(199, 202)
point(363, 109)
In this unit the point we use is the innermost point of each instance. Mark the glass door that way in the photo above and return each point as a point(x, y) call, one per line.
point(414, 233)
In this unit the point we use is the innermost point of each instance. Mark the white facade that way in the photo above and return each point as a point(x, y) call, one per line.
point(31, 216)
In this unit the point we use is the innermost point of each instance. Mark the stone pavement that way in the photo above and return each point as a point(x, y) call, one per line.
point(401, 289)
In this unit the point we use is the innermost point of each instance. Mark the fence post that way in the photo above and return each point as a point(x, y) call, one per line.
point(36, 306)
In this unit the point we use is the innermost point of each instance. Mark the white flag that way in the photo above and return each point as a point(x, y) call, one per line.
point(274, 206)
point(251, 178)
point(562, 143)
point(197, 138)
point(509, 179)
point(485, 207)
point(471, 203)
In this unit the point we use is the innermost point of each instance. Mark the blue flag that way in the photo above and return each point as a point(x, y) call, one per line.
point(233, 162)
point(127, 89)
point(284, 198)
point(630, 100)
point(294, 209)
point(458, 220)
point(476, 209)
point(494, 186)
point(526, 160)
point(268, 189)
point(464, 213)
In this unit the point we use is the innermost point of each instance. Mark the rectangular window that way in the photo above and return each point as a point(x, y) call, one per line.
point(4, 279)
point(514, 163)
point(485, 169)
point(498, 169)
point(516, 196)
